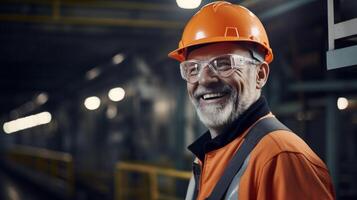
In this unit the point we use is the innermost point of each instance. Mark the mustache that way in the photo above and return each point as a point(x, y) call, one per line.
point(201, 90)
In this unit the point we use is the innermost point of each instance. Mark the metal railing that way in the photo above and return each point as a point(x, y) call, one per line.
point(52, 165)
point(148, 181)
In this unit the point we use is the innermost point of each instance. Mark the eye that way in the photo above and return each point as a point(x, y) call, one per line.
point(222, 64)
point(192, 69)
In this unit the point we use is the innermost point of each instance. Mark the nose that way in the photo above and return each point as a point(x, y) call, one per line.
point(207, 76)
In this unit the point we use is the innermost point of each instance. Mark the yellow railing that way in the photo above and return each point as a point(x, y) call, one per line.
point(147, 184)
point(53, 164)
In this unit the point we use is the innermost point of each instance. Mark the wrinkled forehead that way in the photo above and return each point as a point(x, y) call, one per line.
point(208, 51)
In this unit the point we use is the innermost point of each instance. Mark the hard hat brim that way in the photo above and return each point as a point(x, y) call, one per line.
point(180, 53)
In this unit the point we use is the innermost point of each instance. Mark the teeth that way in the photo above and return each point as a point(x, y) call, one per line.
point(212, 95)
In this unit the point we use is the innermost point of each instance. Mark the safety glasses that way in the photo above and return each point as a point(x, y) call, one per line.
point(222, 66)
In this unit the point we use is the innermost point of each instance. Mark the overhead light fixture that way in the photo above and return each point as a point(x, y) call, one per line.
point(342, 103)
point(116, 94)
point(42, 98)
point(92, 103)
point(188, 4)
point(93, 73)
point(162, 108)
point(119, 58)
point(27, 122)
point(111, 111)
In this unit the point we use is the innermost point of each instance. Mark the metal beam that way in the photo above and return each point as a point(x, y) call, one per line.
point(57, 17)
point(93, 21)
point(331, 23)
point(283, 8)
point(277, 10)
point(343, 57)
point(327, 86)
point(332, 138)
point(250, 3)
point(345, 29)
point(128, 5)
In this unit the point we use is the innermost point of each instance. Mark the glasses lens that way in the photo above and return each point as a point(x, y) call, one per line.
point(189, 70)
point(222, 65)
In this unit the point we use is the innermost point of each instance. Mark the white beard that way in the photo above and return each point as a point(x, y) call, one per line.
point(217, 115)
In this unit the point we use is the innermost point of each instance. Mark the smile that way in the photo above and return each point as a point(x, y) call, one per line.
point(214, 98)
point(212, 95)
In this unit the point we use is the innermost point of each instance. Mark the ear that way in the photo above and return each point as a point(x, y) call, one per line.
point(262, 75)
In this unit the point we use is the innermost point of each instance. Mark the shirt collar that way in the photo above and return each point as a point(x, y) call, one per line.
point(205, 143)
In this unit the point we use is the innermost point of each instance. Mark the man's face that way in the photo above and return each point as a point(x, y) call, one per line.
point(219, 101)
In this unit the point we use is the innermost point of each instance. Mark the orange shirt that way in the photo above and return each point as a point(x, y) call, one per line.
point(282, 166)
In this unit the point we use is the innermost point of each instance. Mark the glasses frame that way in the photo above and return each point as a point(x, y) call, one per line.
point(237, 62)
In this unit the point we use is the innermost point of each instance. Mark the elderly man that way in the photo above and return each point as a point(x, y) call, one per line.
point(246, 152)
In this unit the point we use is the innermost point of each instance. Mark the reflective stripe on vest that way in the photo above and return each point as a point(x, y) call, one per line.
point(232, 192)
point(191, 189)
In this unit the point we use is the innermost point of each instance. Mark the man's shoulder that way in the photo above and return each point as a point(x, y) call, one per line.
point(282, 142)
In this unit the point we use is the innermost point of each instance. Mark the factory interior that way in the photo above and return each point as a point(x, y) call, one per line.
point(92, 107)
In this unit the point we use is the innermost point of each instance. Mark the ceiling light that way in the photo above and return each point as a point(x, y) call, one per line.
point(342, 103)
point(162, 108)
point(117, 59)
point(111, 111)
point(27, 122)
point(116, 94)
point(188, 4)
point(92, 103)
point(93, 73)
point(42, 98)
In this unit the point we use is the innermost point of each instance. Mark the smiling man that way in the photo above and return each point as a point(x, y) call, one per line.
point(246, 152)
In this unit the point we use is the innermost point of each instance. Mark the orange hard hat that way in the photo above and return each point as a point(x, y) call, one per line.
point(222, 21)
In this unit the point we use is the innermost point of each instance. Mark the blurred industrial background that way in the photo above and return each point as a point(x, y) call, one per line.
point(92, 108)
